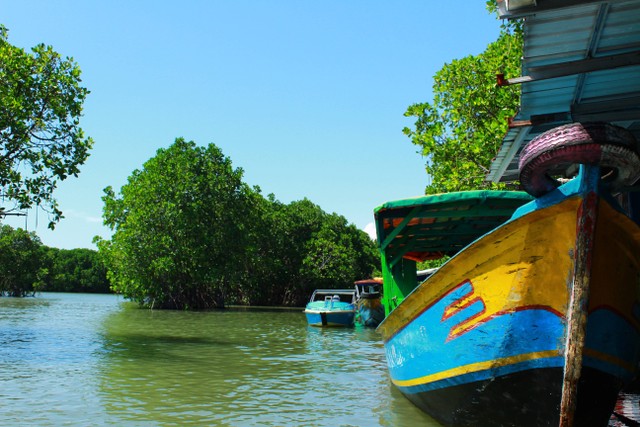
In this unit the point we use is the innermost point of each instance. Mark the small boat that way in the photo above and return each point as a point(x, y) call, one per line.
point(331, 307)
point(368, 302)
point(535, 318)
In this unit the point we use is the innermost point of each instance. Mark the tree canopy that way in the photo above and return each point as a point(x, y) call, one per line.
point(461, 130)
point(74, 270)
point(190, 234)
point(27, 266)
point(177, 228)
point(21, 255)
point(296, 248)
point(41, 142)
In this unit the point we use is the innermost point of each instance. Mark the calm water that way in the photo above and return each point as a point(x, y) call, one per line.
point(91, 360)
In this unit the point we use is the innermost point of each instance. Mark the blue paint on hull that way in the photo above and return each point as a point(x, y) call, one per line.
point(370, 316)
point(330, 313)
point(330, 318)
point(422, 348)
point(528, 389)
point(612, 344)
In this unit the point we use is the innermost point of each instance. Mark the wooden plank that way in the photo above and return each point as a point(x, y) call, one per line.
point(392, 235)
point(579, 299)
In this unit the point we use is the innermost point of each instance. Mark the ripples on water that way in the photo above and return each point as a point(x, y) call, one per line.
point(94, 360)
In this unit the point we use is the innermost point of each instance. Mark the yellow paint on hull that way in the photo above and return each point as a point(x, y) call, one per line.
point(529, 263)
point(524, 264)
point(475, 367)
point(615, 282)
point(630, 367)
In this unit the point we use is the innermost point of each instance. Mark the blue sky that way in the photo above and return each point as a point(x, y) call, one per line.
point(307, 97)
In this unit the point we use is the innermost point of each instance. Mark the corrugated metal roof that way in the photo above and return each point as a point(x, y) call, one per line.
point(583, 60)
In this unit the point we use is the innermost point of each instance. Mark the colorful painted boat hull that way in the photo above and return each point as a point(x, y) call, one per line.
point(484, 341)
point(331, 307)
point(340, 318)
point(370, 312)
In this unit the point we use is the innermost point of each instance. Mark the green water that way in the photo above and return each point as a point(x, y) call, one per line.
point(91, 360)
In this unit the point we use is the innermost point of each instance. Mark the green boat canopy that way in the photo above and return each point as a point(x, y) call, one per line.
point(430, 227)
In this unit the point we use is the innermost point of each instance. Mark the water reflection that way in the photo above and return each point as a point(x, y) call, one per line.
point(80, 360)
point(50, 351)
point(246, 368)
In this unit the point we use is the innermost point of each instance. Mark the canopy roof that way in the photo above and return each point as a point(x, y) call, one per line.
point(581, 63)
point(430, 227)
point(335, 291)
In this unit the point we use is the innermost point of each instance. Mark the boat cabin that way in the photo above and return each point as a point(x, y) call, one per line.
point(341, 295)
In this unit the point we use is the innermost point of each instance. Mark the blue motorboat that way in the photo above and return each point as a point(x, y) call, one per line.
point(331, 307)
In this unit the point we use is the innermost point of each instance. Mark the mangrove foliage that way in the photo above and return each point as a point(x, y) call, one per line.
point(188, 233)
point(460, 131)
point(41, 142)
point(27, 266)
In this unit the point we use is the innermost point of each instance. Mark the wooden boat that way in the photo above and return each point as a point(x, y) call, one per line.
point(331, 307)
point(370, 311)
point(535, 319)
